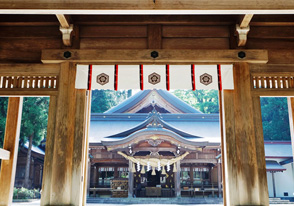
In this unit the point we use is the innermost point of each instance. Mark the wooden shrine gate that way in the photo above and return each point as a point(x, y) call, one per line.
point(66, 146)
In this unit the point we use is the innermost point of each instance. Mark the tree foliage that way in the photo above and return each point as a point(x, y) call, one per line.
point(103, 100)
point(275, 119)
point(205, 101)
point(3, 112)
point(34, 119)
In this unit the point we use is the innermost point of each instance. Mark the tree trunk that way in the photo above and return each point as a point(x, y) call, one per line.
point(28, 163)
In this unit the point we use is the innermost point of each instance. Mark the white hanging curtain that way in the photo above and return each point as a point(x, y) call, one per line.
point(144, 77)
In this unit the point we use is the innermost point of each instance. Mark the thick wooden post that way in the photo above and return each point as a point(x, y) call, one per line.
point(11, 140)
point(242, 145)
point(78, 148)
point(48, 163)
point(64, 138)
point(260, 154)
point(66, 143)
point(86, 150)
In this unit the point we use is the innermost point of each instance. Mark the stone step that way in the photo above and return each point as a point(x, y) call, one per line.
point(277, 200)
point(155, 200)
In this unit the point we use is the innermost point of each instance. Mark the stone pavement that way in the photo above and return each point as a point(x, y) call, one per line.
point(37, 202)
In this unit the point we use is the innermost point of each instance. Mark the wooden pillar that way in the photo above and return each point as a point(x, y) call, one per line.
point(291, 120)
point(66, 141)
point(89, 177)
point(95, 175)
point(242, 143)
point(219, 176)
point(64, 138)
point(48, 162)
point(86, 150)
point(220, 99)
point(11, 141)
point(260, 153)
point(78, 160)
point(131, 180)
point(177, 178)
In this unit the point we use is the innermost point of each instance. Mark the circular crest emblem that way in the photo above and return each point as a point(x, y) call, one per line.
point(206, 79)
point(102, 79)
point(154, 78)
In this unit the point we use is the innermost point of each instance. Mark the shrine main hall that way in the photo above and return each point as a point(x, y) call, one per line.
point(43, 43)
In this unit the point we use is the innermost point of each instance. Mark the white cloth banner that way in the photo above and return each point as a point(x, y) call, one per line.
point(118, 77)
point(102, 77)
point(206, 77)
point(82, 76)
point(180, 76)
point(154, 77)
point(128, 77)
point(227, 78)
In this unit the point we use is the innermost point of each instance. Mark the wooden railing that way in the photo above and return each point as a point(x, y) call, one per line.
point(29, 82)
point(29, 79)
point(273, 81)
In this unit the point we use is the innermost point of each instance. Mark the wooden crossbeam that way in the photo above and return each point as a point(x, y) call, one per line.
point(64, 20)
point(144, 56)
point(4, 154)
point(147, 7)
point(245, 20)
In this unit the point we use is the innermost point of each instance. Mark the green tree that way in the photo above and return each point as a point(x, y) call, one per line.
point(33, 126)
point(275, 119)
point(103, 100)
point(3, 112)
point(205, 101)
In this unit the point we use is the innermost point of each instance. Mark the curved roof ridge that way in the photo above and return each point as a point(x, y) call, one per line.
point(129, 102)
point(174, 100)
point(139, 96)
point(153, 121)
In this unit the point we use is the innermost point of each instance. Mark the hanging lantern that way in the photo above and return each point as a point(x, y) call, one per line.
point(163, 171)
point(168, 166)
point(143, 170)
point(158, 166)
point(138, 166)
point(148, 166)
point(175, 168)
point(153, 171)
point(133, 168)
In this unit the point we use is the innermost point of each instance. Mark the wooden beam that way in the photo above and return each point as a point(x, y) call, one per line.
point(4, 154)
point(64, 20)
point(245, 20)
point(154, 36)
point(147, 7)
point(144, 56)
point(11, 142)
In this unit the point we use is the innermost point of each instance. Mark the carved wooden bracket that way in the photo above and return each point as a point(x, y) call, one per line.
point(242, 34)
point(66, 34)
